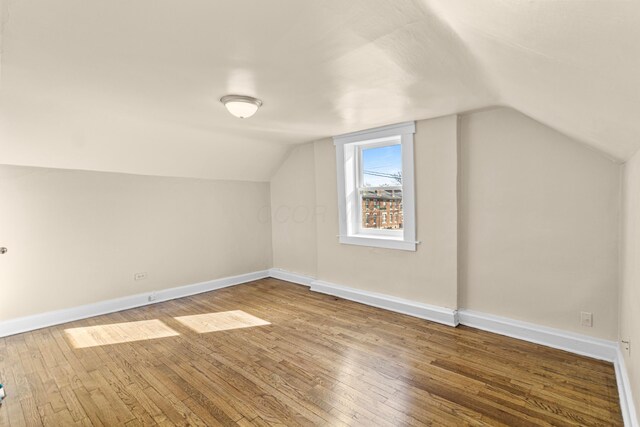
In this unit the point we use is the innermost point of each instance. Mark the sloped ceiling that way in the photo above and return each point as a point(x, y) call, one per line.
point(571, 64)
point(134, 86)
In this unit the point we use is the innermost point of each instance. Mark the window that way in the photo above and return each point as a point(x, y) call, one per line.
point(375, 187)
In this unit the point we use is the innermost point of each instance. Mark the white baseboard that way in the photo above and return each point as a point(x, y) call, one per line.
point(301, 279)
point(568, 341)
point(627, 404)
point(563, 340)
point(550, 337)
point(37, 321)
point(424, 311)
point(434, 313)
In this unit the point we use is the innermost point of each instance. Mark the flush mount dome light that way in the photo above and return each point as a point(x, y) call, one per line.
point(241, 106)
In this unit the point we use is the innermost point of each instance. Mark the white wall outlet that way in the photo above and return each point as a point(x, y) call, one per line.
point(153, 296)
point(139, 276)
point(586, 319)
point(626, 346)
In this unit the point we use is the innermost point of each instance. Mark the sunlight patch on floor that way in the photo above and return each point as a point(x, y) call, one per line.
point(116, 333)
point(212, 322)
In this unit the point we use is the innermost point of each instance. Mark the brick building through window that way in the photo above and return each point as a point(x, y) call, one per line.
point(382, 209)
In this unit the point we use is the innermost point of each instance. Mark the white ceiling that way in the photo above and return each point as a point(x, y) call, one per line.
point(571, 64)
point(125, 86)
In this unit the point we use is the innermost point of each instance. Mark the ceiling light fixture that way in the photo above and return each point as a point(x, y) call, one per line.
point(241, 106)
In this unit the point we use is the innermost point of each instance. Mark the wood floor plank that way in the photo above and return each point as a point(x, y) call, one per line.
point(273, 353)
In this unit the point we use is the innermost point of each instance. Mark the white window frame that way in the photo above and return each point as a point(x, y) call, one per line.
point(348, 156)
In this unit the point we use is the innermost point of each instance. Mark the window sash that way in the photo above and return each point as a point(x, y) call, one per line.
point(350, 190)
point(357, 226)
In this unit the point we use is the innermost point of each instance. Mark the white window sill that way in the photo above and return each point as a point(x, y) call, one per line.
point(378, 242)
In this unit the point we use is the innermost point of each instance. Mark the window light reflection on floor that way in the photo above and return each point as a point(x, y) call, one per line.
point(223, 321)
point(116, 333)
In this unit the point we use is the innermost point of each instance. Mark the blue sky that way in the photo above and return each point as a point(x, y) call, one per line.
point(385, 160)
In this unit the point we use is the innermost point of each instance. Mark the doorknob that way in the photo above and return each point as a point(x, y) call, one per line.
point(3, 251)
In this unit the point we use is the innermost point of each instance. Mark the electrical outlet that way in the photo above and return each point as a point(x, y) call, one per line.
point(153, 296)
point(586, 319)
point(139, 276)
point(626, 346)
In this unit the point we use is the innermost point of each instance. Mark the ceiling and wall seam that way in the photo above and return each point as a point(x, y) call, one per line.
point(109, 94)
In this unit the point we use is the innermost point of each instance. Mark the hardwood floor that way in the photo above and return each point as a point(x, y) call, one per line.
point(282, 355)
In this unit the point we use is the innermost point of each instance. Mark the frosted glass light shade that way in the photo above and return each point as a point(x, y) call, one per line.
point(241, 106)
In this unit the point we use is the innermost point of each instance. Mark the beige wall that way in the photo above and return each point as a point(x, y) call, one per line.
point(630, 283)
point(428, 275)
point(294, 212)
point(537, 221)
point(539, 225)
point(78, 237)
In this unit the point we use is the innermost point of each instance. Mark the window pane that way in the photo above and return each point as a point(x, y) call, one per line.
point(382, 166)
point(381, 209)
